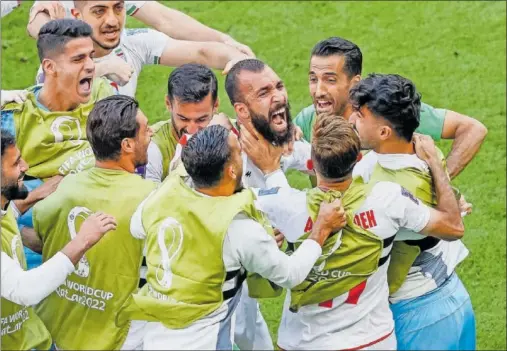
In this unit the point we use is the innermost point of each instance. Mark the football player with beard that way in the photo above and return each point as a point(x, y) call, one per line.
point(22, 329)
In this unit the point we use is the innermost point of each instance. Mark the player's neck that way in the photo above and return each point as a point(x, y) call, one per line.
point(347, 112)
point(338, 186)
point(55, 100)
point(219, 190)
point(395, 147)
point(116, 165)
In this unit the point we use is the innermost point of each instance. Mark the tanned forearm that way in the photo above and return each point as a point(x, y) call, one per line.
point(217, 55)
point(34, 27)
point(467, 142)
point(29, 202)
point(446, 200)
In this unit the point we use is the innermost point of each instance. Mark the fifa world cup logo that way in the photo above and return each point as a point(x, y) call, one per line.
point(17, 249)
point(172, 230)
point(66, 128)
point(83, 266)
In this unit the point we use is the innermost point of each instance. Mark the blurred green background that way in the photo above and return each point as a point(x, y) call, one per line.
point(455, 52)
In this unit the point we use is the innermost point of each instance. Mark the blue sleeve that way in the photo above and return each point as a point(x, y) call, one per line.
point(8, 122)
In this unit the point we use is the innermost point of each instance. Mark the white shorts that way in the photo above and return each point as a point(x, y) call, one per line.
point(135, 336)
point(252, 332)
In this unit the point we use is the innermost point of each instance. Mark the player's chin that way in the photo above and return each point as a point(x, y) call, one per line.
point(83, 96)
point(110, 43)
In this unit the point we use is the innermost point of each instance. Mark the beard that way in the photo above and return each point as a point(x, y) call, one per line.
point(179, 133)
point(263, 126)
point(13, 191)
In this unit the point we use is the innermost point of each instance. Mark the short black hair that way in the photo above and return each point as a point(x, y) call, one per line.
point(54, 35)
point(8, 140)
point(192, 83)
point(231, 81)
point(341, 47)
point(391, 97)
point(111, 120)
point(206, 155)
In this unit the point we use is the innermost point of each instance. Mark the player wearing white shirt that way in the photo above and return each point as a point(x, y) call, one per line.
point(361, 318)
point(261, 105)
point(20, 288)
point(213, 160)
point(432, 309)
point(171, 22)
point(136, 48)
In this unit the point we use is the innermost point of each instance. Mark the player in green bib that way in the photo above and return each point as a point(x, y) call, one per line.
point(334, 308)
point(91, 297)
point(202, 233)
point(50, 125)
point(427, 297)
point(22, 329)
point(192, 100)
point(335, 67)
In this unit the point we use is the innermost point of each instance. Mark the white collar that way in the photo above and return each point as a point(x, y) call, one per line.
point(398, 161)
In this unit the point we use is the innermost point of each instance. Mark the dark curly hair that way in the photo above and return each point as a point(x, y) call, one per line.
point(392, 97)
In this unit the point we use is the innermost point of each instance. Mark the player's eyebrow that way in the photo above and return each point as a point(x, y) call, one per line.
point(182, 116)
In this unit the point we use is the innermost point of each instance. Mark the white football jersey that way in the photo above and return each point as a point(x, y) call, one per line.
point(361, 316)
point(131, 7)
point(434, 266)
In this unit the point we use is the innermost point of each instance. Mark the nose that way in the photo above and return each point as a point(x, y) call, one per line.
point(321, 90)
point(150, 132)
point(279, 97)
point(111, 20)
point(89, 65)
point(353, 118)
point(23, 166)
point(193, 128)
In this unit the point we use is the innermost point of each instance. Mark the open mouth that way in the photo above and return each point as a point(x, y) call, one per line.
point(279, 119)
point(111, 35)
point(323, 105)
point(85, 85)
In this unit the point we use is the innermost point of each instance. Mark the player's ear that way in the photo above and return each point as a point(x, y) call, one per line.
point(385, 132)
point(76, 13)
point(242, 112)
point(355, 80)
point(244, 119)
point(168, 104)
point(48, 67)
point(128, 145)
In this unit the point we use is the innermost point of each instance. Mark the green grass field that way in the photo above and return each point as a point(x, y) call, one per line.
point(453, 51)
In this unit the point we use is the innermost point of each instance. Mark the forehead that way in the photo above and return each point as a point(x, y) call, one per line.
point(189, 107)
point(141, 117)
point(333, 63)
point(78, 46)
point(253, 81)
point(88, 4)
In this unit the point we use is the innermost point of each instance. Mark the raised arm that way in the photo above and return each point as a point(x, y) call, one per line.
point(41, 13)
point(213, 54)
point(445, 220)
point(178, 25)
point(468, 134)
point(259, 253)
point(30, 287)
